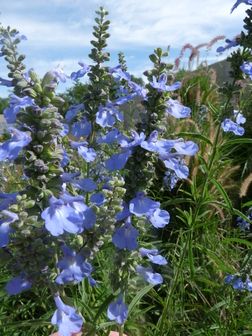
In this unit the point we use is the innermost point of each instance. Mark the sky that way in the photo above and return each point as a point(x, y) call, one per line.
point(59, 31)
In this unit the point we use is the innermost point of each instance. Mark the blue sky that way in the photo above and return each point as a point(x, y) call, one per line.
point(59, 31)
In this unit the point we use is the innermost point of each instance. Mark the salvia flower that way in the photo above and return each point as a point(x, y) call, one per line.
point(86, 184)
point(107, 115)
point(149, 276)
point(246, 67)
point(81, 72)
point(81, 128)
point(242, 224)
point(60, 217)
point(73, 267)
point(159, 218)
point(229, 44)
point(112, 136)
point(73, 111)
point(10, 149)
point(125, 237)
point(176, 109)
point(6, 82)
point(142, 205)
point(160, 84)
point(18, 285)
point(98, 199)
point(153, 255)
point(16, 104)
point(7, 199)
point(88, 154)
point(118, 311)
point(238, 2)
point(5, 226)
point(229, 125)
point(117, 161)
point(138, 90)
point(59, 74)
point(119, 74)
point(66, 318)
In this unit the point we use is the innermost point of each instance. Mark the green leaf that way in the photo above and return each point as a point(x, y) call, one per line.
point(195, 136)
point(223, 193)
point(138, 297)
point(219, 262)
point(238, 241)
point(237, 142)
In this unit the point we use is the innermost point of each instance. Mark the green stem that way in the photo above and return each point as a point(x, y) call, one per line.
point(120, 329)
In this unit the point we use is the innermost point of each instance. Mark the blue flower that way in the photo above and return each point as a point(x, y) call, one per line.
point(125, 237)
point(159, 218)
point(186, 147)
point(119, 74)
point(98, 199)
point(152, 144)
point(238, 2)
point(124, 99)
point(149, 276)
point(229, 44)
point(66, 318)
point(16, 104)
point(124, 213)
point(60, 216)
point(246, 67)
point(6, 82)
point(230, 126)
point(88, 154)
point(86, 184)
point(248, 284)
point(142, 205)
point(153, 255)
point(65, 159)
point(73, 111)
point(161, 86)
point(73, 267)
point(117, 161)
point(118, 311)
point(81, 128)
point(18, 285)
point(138, 90)
point(107, 115)
point(177, 110)
point(68, 177)
point(81, 72)
point(59, 74)
point(7, 199)
point(65, 130)
point(10, 149)
point(177, 165)
point(110, 137)
point(235, 281)
point(5, 228)
point(243, 225)
point(136, 140)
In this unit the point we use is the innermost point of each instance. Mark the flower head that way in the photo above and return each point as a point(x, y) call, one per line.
point(238, 2)
point(118, 311)
point(66, 318)
point(81, 72)
point(177, 110)
point(18, 285)
point(149, 276)
point(73, 267)
point(125, 237)
point(10, 149)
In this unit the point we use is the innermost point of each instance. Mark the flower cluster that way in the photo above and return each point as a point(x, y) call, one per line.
point(75, 194)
